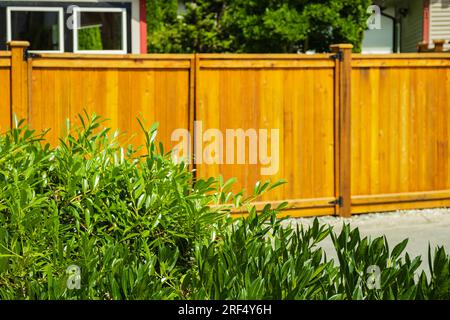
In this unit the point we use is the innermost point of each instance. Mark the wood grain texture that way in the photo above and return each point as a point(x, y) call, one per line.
point(342, 123)
point(117, 92)
point(293, 98)
point(400, 130)
point(399, 151)
point(5, 92)
point(19, 82)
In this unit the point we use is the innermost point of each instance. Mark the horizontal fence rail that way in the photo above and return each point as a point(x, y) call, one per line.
point(356, 133)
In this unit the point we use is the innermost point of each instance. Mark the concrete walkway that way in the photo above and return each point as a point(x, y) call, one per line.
point(421, 227)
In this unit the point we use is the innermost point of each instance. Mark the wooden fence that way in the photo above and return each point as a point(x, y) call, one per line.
point(357, 133)
point(400, 124)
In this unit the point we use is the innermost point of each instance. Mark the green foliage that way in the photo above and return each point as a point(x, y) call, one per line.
point(139, 226)
point(162, 23)
point(196, 30)
point(91, 203)
point(90, 38)
point(263, 26)
point(358, 256)
point(258, 259)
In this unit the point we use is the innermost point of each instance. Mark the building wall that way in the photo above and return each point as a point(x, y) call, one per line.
point(440, 20)
point(135, 16)
point(412, 26)
point(380, 40)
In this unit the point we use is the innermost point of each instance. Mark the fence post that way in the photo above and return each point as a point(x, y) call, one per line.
point(342, 81)
point(19, 80)
point(439, 45)
point(422, 47)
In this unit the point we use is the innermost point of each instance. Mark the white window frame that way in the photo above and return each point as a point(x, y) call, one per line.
point(77, 18)
point(38, 9)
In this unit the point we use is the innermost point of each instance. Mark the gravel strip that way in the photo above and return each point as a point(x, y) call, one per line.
point(421, 227)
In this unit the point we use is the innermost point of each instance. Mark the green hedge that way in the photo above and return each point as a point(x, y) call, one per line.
point(141, 227)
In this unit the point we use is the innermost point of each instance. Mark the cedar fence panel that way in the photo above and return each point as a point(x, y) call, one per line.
point(120, 88)
point(400, 132)
point(155, 88)
point(291, 93)
point(357, 133)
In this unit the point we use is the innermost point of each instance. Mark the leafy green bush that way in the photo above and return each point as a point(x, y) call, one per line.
point(90, 203)
point(263, 26)
point(139, 226)
point(258, 259)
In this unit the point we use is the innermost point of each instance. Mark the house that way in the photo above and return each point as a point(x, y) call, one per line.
point(403, 24)
point(79, 26)
point(119, 26)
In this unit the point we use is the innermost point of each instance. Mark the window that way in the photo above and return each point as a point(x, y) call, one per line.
point(99, 30)
point(42, 27)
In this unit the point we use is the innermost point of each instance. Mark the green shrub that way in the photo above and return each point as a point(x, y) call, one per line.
point(90, 203)
point(139, 226)
point(258, 259)
point(263, 26)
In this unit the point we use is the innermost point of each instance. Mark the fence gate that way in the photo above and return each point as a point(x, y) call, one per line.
point(295, 96)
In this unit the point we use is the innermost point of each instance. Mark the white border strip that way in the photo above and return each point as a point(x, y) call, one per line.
point(76, 16)
point(38, 9)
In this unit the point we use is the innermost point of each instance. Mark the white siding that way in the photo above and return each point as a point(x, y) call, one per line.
point(440, 20)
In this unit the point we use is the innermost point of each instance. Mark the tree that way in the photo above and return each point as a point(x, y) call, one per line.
point(90, 39)
point(195, 30)
point(258, 25)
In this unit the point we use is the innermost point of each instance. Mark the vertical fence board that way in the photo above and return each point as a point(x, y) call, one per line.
point(400, 133)
point(19, 80)
point(343, 106)
point(294, 96)
point(64, 88)
point(5, 91)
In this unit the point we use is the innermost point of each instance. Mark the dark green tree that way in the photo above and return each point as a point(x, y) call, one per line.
point(195, 28)
point(255, 25)
point(90, 39)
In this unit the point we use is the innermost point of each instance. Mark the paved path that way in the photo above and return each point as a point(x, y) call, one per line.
point(419, 226)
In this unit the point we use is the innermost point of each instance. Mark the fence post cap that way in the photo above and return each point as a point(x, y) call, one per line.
point(422, 46)
point(18, 44)
point(439, 41)
point(339, 46)
point(342, 46)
